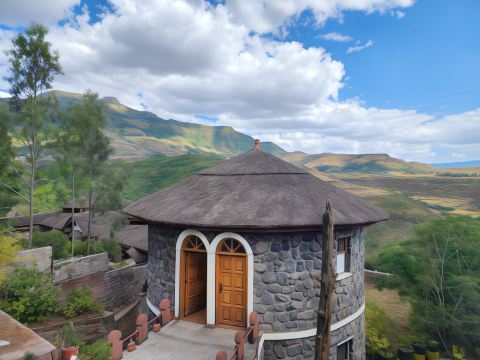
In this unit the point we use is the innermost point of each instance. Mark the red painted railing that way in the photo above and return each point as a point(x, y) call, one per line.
point(240, 337)
point(117, 344)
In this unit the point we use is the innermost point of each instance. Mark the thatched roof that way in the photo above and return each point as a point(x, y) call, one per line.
point(254, 190)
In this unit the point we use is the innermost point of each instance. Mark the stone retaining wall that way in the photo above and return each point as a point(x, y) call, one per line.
point(41, 258)
point(78, 267)
point(123, 286)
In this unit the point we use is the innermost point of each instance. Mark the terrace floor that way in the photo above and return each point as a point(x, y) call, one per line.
point(187, 340)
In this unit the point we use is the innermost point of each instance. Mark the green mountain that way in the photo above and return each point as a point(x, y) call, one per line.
point(139, 134)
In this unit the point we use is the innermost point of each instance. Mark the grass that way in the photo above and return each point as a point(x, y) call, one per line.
point(152, 174)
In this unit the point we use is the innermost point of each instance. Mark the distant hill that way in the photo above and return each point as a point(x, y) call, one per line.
point(365, 163)
point(139, 134)
point(458, 165)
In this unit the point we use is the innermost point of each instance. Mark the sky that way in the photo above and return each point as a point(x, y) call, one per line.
point(347, 76)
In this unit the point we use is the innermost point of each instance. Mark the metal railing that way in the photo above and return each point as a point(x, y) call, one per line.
point(251, 334)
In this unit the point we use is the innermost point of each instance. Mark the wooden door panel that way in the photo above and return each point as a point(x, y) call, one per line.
point(231, 280)
point(195, 284)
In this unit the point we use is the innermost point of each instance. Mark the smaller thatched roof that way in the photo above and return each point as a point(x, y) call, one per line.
point(251, 191)
point(135, 236)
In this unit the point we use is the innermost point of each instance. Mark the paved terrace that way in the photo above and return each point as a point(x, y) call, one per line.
point(187, 340)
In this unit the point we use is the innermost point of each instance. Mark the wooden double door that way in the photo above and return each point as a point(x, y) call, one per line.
point(231, 290)
point(195, 296)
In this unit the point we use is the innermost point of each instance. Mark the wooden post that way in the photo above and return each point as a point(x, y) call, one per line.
point(322, 340)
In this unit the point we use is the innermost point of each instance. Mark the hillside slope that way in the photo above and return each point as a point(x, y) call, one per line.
point(138, 134)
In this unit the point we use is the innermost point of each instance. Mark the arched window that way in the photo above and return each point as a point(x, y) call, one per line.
point(230, 246)
point(193, 243)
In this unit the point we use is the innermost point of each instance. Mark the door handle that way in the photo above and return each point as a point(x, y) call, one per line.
point(221, 287)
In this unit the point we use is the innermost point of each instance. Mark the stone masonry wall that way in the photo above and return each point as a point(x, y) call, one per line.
point(41, 258)
point(124, 285)
point(77, 267)
point(304, 349)
point(287, 271)
point(161, 263)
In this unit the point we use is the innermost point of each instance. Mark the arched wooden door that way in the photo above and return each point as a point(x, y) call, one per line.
point(231, 284)
point(194, 294)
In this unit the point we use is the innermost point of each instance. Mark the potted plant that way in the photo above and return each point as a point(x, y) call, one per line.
point(131, 345)
point(70, 341)
point(433, 351)
point(420, 350)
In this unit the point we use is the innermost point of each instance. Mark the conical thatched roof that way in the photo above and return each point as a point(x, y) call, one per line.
point(254, 190)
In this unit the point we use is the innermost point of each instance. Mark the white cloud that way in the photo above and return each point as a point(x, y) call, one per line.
point(4, 94)
point(188, 58)
point(23, 12)
point(357, 48)
point(265, 16)
point(333, 36)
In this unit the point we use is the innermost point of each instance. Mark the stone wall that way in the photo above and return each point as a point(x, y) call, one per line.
point(41, 258)
point(287, 271)
point(304, 349)
point(161, 263)
point(78, 267)
point(123, 286)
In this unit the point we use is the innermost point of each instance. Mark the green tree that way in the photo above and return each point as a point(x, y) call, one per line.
point(443, 279)
point(9, 247)
point(56, 239)
point(33, 67)
point(83, 144)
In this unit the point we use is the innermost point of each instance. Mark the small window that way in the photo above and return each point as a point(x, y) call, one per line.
point(344, 351)
point(231, 246)
point(344, 251)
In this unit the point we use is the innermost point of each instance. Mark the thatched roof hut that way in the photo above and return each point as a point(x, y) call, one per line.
point(254, 190)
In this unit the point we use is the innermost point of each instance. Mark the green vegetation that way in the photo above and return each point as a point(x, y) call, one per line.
point(28, 295)
point(59, 242)
point(438, 268)
point(112, 248)
point(381, 333)
point(99, 350)
point(67, 337)
point(80, 301)
point(159, 171)
point(9, 247)
point(33, 67)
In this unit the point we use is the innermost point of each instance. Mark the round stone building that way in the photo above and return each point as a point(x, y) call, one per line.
point(245, 236)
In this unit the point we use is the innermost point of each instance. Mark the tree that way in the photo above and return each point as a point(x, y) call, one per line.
point(445, 282)
point(33, 67)
point(9, 247)
point(82, 144)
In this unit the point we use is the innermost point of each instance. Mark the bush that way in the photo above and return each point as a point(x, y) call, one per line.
point(80, 248)
point(113, 249)
point(99, 350)
point(28, 295)
point(381, 333)
point(80, 301)
point(57, 240)
point(9, 247)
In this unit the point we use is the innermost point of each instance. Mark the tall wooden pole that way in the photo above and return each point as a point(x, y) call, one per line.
point(322, 340)
point(73, 214)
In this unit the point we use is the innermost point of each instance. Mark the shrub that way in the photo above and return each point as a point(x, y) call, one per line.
point(28, 295)
point(99, 350)
point(57, 240)
point(9, 247)
point(80, 248)
point(113, 249)
point(80, 301)
point(381, 338)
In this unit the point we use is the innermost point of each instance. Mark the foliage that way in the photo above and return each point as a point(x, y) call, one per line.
point(439, 268)
point(50, 196)
point(80, 301)
point(82, 144)
point(59, 242)
point(33, 67)
point(381, 338)
point(68, 336)
point(99, 350)
point(28, 295)
point(80, 248)
point(9, 247)
point(112, 248)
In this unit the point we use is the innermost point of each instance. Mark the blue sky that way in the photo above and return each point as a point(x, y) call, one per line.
point(403, 80)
